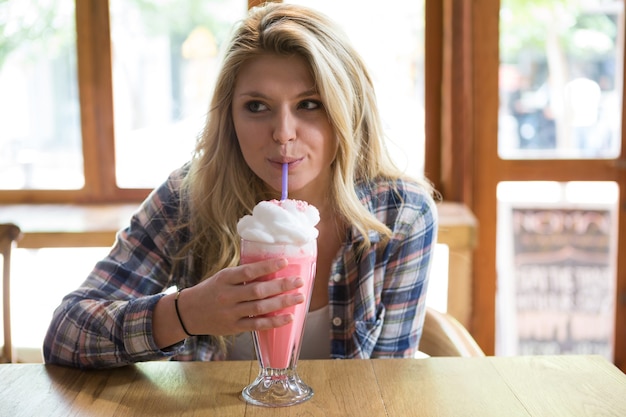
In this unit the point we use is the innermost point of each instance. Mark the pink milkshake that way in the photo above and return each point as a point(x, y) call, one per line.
point(284, 229)
point(280, 346)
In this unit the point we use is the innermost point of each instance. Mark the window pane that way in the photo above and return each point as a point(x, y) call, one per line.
point(391, 41)
point(165, 58)
point(560, 78)
point(557, 255)
point(40, 139)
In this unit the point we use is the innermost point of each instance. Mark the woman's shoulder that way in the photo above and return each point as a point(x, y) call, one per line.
point(165, 199)
point(396, 192)
point(176, 177)
point(171, 186)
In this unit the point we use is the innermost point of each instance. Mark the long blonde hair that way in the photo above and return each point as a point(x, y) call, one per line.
point(220, 188)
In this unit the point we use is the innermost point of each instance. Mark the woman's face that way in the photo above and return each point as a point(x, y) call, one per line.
point(279, 118)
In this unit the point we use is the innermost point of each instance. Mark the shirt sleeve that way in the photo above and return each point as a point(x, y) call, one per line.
point(107, 321)
point(406, 264)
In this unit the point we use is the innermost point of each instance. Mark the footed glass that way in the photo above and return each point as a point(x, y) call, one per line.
point(277, 350)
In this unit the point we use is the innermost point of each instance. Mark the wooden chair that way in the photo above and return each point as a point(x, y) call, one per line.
point(443, 335)
point(9, 233)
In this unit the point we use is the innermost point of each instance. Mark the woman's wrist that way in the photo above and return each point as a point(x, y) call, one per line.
point(178, 314)
point(166, 328)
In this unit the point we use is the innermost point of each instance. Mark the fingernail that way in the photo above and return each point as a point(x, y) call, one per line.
point(281, 263)
point(299, 298)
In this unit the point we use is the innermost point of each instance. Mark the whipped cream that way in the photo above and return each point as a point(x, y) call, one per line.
point(286, 221)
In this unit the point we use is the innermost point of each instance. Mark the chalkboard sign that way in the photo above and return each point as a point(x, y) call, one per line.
point(564, 281)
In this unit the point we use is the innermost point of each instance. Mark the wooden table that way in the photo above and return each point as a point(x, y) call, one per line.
point(548, 386)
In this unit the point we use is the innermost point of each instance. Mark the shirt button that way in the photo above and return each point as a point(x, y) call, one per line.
point(336, 321)
point(337, 277)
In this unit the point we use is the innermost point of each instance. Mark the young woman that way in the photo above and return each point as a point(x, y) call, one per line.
point(291, 90)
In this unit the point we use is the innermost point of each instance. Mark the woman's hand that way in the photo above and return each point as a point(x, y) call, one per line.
point(229, 302)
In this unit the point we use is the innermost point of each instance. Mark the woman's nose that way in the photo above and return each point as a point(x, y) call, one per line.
point(284, 127)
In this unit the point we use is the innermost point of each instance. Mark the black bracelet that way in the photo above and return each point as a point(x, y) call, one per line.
point(180, 320)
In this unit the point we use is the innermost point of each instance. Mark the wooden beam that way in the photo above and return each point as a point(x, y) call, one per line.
point(484, 172)
point(95, 86)
point(433, 75)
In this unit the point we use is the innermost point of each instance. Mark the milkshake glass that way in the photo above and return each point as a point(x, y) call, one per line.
point(278, 349)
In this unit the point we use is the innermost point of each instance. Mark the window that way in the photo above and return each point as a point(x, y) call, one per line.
point(40, 140)
point(164, 62)
point(560, 79)
point(558, 181)
point(106, 98)
point(560, 89)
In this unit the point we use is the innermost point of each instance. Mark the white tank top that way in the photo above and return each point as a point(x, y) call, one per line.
point(315, 341)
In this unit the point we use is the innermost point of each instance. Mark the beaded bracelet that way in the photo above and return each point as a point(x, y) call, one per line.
point(179, 317)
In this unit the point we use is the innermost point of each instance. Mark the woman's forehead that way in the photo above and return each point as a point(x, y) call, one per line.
point(275, 72)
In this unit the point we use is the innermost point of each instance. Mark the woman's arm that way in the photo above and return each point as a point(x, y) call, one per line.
point(121, 315)
point(107, 321)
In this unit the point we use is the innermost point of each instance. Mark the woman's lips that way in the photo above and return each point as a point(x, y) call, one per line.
point(292, 162)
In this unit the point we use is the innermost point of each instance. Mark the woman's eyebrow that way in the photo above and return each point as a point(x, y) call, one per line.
point(257, 94)
point(310, 92)
point(252, 94)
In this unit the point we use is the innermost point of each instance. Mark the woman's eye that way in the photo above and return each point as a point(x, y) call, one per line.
point(310, 105)
point(256, 106)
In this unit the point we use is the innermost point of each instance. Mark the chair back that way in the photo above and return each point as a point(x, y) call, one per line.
point(443, 335)
point(9, 233)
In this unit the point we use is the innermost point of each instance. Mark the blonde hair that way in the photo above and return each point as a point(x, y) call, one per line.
point(220, 188)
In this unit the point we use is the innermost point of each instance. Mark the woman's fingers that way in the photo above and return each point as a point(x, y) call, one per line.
point(249, 272)
point(240, 301)
point(269, 305)
point(260, 290)
point(254, 288)
point(265, 323)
